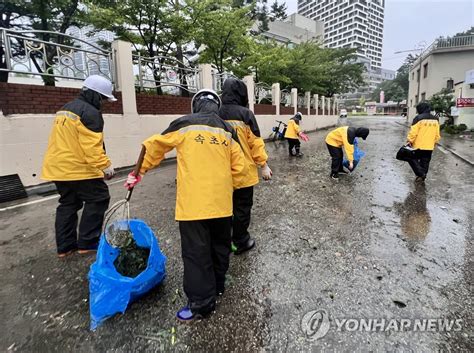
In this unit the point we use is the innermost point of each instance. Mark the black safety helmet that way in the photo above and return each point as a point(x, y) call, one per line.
point(298, 116)
point(207, 100)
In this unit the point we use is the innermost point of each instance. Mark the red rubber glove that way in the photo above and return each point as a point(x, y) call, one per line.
point(132, 180)
point(304, 137)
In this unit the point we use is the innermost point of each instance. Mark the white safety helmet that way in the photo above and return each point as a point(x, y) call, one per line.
point(299, 116)
point(208, 94)
point(100, 85)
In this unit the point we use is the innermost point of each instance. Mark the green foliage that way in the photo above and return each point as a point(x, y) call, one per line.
point(267, 60)
point(222, 33)
point(442, 102)
point(258, 10)
point(306, 66)
point(454, 129)
point(154, 27)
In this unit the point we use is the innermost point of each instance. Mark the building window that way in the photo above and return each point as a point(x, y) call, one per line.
point(412, 76)
point(423, 96)
point(450, 84)
point(416, 100)
point(418, 75)
point(425, 70)
point(411, 102)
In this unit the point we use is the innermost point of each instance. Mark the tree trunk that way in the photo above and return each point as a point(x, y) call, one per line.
point(47, 58)
point(184, 89)
point(3, 65)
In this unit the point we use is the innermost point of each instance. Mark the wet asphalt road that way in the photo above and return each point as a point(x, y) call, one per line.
point(372, 245)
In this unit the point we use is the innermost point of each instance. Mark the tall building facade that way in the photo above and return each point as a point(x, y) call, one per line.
point(88, 62)
point(350, 24)
point(295, 29)
point(353, 24)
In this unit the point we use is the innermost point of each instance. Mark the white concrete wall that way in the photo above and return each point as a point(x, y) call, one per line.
point(24, 138)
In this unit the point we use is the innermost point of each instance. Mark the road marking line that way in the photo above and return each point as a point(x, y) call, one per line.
point(442, 149)
point(29, 203)
point(48, 198)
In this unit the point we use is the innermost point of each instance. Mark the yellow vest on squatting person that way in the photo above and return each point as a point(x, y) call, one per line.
point(210, 163)
point(344, 137)
point(234, 111)
point(292, 130)
point(424, 132)
point(76, 142)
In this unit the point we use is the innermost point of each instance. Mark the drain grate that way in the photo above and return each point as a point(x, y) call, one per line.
point(11, 188)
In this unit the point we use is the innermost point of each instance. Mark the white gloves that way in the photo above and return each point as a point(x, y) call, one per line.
point(109, 172)
point(266, 172)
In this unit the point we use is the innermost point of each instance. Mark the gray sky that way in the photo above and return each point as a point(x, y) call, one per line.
point(409, 22)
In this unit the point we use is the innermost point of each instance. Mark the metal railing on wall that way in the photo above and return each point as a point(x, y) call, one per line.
point(53, 55)
point(218, 79)
point(165, 75)
point(285, 97)
point(301, 101)
point(263, 93)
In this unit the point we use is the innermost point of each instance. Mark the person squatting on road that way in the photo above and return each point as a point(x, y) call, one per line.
point(210, 162)
point(343, 137)
point(423, 136)
point(77, 163)
point(234, 110)
point(292, 134)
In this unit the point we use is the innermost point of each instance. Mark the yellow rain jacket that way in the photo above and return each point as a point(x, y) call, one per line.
point(76, 142)
point(424, 132)
point(292, 130)
point(210, 163)
point(339, 138)
point(234, 111)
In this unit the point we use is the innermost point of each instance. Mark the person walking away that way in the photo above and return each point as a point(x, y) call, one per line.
point(234, 110)
point(424, 134)
point(343, 137)
point(292, 134)
point(210, 162)
point(77, 163)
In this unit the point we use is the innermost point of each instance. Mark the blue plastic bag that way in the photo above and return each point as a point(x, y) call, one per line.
point(358, 154)
point(110, 292)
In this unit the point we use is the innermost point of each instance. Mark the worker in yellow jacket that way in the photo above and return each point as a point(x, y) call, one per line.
point(234, 110)
point(77, 163)
point(423, 136)
point(343, 137)
point(292, 134)
point(210, 164)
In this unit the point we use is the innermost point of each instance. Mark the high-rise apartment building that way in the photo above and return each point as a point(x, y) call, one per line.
point(89, 62)
point(350, 24)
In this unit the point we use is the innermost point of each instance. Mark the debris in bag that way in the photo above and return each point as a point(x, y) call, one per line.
point(132, 259)
point(121, 275)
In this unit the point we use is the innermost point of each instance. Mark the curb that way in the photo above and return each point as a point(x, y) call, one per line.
point(461, 157)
